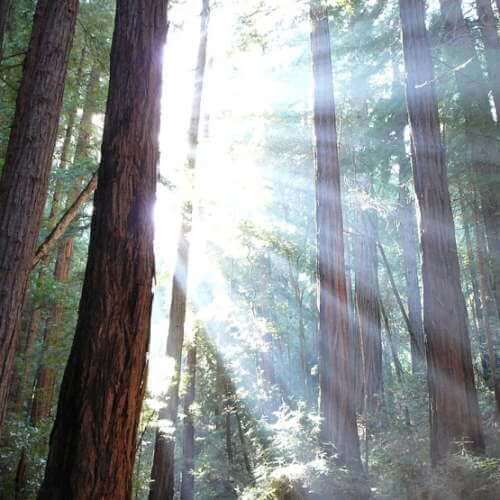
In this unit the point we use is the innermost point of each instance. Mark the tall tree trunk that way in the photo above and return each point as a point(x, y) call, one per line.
point(93, 442)
point(368, 311)
point(471, 266)
point(408, 236)
point(480, 129)
point(23, 185)
point(488, 28)
point(337, 380)
point(4, 16)
point(488, 313)
point(454, 411)
point(162, 472)
point(187, 480)
point(46, 378)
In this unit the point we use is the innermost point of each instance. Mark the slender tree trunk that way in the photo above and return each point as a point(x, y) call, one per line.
point(228, 410)
point(27, 352)
point(23, 185)
point(65, 221)
point(93, 442)
point(489, 314)
point(241, 435)
point(162, 472)
point(337, 380)
point(187, 481)
point(480, 129)
point(368, 312)
point(408, 238)
point(46, 380)
point(488, 28)
point(454, 411)
point(4, 16)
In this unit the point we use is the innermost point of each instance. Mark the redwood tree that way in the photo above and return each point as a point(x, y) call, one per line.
point(162, 472)
point(454, 412)
point(337, 382)
point(24, 181)
point(93, 442)
point(368, 311)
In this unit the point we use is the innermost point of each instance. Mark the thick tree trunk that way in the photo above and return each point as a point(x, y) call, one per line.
point(480, 129)
point(454, 411)
point(162, 472)
point(93, 442)
point(187, 480)
point(23, 185)
point(4, 16)
point(337, 379)
point(488, 28)
point(368, 312)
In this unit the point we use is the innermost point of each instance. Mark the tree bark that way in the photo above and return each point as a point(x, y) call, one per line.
point(480, 130)
point(162, 472)
point(337, 380)
point(454, 411)
point(23, 185)
point(187, 481)
point(93, 442)
point(368, 312)
point(488, 28)
point(4, 16)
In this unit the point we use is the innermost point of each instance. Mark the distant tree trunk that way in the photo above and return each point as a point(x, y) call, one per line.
point(93, 442)
point(228, 410)
point(46, 376)
point(368, 311)
point(454, 411)
point(187, 481)
point(488, 313)
point(488, 28)
point(162, 472)
point(477, 309)
point(480, 129)
point(337, 380)
point(4, 16)
point(46, 379)
point(27, 351)
point(408, 236)
point(243, 443)
point(24, 181)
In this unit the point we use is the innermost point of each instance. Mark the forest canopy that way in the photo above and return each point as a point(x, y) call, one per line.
point(249, 249)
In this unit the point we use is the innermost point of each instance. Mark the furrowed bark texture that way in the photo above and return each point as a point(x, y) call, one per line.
point(454, 412)
point(337, 380)
point(187, 480)
point(481, 132)
point(23, 185)
point(368, 312)
point(163, 469)
point(93, 442)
